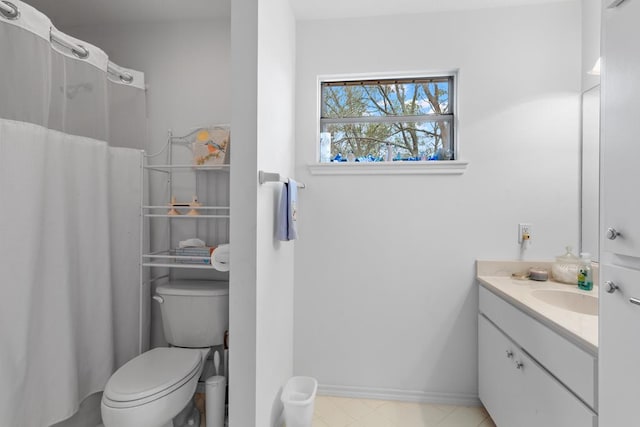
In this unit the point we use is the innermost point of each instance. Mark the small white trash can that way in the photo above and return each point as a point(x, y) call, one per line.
point(298, 397)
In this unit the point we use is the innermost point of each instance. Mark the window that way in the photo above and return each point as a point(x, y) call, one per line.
point(384, 120)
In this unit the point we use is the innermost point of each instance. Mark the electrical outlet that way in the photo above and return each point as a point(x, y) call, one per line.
point(524, 232)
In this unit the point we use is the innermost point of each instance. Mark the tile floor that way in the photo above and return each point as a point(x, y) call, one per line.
point(346, 412)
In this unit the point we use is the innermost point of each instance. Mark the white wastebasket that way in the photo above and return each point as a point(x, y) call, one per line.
point(298, 397)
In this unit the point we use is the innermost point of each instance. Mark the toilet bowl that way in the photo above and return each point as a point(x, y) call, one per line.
point(151, 389)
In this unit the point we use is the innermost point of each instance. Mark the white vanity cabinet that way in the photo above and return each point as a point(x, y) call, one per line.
point(528, 374)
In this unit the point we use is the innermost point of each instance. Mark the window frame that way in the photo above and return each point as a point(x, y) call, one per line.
point(451, 117)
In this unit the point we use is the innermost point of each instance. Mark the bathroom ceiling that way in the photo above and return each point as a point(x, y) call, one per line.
point(328, 9)
point(96, 12)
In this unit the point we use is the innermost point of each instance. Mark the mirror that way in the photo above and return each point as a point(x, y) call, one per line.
point(590, 172)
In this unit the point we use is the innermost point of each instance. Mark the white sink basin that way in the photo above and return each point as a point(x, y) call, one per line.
point(572, 301)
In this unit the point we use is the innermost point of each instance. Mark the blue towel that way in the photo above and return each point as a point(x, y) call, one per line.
point(292, 206)
point(282, 217)
point(287, 215)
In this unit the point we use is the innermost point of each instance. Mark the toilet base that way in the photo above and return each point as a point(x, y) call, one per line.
point(188, 417)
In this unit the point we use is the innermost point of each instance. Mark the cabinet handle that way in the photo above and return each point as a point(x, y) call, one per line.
point(611, 287)
point(519, 365)
point(612, 233)
point(635, 301)
point(509, 354)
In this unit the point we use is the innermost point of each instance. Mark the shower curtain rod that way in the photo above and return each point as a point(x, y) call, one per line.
point(82, 53)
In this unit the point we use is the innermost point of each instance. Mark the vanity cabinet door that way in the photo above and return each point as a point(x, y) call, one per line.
point(619, 348)
point(498, 390)
point(517, 391)
point(620, 204)
point(549, 403)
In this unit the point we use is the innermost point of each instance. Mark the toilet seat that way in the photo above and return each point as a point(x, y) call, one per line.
point(151, 376)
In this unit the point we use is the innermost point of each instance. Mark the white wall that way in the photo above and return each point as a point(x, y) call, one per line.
point(591, 14)
point(275, 266)
point(385, 296)
point(263, 48)
point(242, 300)
point(187, 67)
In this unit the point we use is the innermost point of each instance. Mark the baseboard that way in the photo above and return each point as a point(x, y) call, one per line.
point(402, 395)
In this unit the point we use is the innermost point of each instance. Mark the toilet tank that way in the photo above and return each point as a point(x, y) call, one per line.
point(195, 313)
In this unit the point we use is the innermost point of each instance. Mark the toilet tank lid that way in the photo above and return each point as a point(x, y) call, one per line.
point(203, 288)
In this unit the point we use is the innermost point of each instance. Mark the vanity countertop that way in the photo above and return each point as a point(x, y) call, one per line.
point(582, 329)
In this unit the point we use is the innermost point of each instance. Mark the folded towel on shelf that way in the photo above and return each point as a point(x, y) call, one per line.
point(191, 243)
point(287, 214)
point(193, 255)
point(220, 258)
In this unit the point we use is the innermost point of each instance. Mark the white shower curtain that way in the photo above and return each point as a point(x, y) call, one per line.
point(71, 306)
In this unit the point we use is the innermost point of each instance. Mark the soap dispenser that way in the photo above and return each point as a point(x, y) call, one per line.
point(585, 274)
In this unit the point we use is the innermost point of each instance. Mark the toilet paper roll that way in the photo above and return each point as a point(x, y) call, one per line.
point(220, 258)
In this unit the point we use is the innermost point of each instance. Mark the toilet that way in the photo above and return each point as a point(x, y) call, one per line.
point(151, 389)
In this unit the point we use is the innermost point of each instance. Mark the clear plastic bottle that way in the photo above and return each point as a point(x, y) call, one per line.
point(585, 275)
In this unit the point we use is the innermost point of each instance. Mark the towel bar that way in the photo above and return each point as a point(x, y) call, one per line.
point(264, 177)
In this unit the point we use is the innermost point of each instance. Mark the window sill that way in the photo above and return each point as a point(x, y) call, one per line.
point(452, 167)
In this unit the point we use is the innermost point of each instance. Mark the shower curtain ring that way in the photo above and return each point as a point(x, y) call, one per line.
point(126, 78)
point(80, 51)
point(9, 10)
